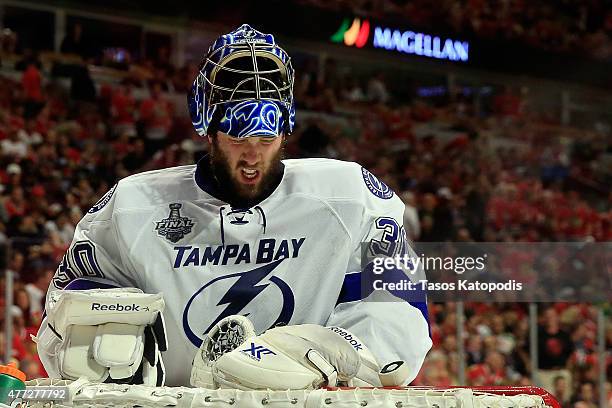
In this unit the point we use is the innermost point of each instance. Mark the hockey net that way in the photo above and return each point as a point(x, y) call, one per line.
point(87, 394)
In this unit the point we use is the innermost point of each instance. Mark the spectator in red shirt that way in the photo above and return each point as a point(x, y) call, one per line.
point(32, 88)
point(15, 204)
point(156, 116)
point(19, 352)
point(491, 372)
point(121, 146)
point(123, 106)
point(22, 301)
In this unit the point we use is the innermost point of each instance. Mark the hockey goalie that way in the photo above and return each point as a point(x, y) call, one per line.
point(244, 270)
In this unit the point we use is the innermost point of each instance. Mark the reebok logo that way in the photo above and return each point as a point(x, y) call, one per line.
point(348, 337)
point(116, 307)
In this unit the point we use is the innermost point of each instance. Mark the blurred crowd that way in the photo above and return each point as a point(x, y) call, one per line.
point(505, 173)
point(497, 348)
point(498, 174)
point(569, 26)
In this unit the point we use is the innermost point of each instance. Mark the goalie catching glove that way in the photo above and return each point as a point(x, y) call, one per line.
point(306, 356)
point(106, 335)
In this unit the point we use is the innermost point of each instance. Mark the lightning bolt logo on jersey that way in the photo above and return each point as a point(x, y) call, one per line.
point(245, 288)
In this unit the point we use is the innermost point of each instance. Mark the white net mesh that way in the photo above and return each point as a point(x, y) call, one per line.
point(86, 394)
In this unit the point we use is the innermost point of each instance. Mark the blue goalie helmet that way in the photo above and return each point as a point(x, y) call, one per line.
point(244, 87)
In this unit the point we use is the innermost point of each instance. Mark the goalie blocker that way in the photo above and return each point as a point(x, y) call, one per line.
point(306, 356)
point(104, 335)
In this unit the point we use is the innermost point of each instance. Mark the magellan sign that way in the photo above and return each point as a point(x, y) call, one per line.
point(409, 42)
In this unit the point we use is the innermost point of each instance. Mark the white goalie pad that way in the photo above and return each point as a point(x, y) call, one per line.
point(233, 356)
point(103, 335)
point(258, 365)
point(77, 350)
point(229, 333)
point(119, 346)
point(304, 356)
point(99, 306)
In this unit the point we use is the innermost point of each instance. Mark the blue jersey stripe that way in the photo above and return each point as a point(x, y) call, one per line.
point(84, 284)
point(358, 286)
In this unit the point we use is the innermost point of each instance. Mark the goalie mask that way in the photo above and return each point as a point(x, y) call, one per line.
point(244, 87)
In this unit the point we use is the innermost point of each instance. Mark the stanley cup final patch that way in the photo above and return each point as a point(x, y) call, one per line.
point(174, 228)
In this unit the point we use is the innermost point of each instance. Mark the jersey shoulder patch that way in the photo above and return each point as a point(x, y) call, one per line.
point(103, 201)
point(376, 187)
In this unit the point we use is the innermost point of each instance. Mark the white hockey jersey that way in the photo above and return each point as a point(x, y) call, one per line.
point(293, 258)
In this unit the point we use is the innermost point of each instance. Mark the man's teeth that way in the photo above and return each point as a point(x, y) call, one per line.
point(249, 173)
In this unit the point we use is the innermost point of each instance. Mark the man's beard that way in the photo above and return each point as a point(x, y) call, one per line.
point(243, 195)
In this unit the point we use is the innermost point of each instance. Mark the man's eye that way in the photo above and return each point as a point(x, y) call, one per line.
point(268, 140)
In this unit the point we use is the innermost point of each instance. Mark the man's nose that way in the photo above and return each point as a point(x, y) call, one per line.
point(250, 152)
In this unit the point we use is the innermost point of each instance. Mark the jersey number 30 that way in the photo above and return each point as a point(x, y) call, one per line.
point(79, 261)
point(392, 238)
